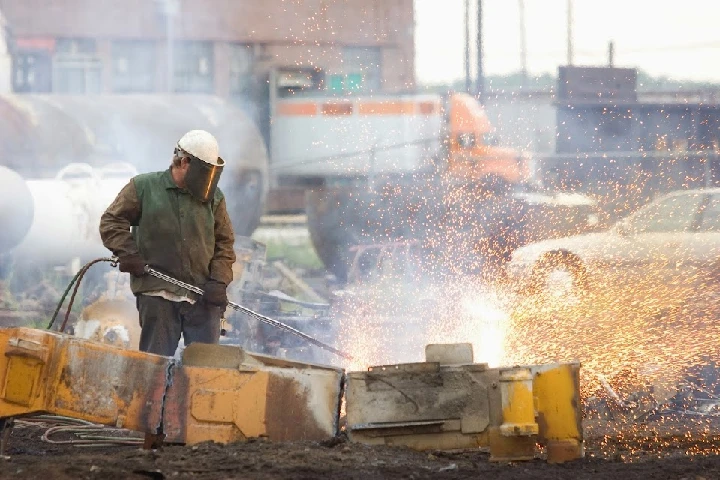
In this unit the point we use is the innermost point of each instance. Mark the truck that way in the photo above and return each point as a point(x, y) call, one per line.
point(333, 141)
point(384, 168)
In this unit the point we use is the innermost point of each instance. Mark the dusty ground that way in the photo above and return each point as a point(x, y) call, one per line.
point(661, 450)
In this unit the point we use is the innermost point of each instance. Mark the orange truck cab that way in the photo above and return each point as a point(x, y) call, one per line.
point(472, 153)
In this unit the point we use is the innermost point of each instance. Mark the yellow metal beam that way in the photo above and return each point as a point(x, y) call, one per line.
point(222, 394)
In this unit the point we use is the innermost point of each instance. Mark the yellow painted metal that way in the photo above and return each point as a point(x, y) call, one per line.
point(518, 405)
point(222, 408)
point(20, 380)
point(223, 394)
point(48, 372)
point(510, 449)
point(557, 390)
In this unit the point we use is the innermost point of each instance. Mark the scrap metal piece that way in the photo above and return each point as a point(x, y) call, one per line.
point(218, 393)
point(225, 394)
point(43, 371)
point(434, 405)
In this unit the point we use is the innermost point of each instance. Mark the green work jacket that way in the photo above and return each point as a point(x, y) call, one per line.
point(173, 232)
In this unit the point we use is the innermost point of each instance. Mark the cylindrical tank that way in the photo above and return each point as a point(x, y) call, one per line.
point(16, 209)
point(66, 213)
point(40, 134)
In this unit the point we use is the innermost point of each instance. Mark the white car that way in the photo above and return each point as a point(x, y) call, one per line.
point(674, 239)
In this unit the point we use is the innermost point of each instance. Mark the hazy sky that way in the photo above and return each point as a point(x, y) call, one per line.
point(678, 39)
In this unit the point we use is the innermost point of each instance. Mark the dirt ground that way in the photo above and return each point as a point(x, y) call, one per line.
point(666, 449)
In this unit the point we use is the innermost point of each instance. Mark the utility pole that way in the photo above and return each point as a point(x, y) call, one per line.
point(523, 43)
point(480, 86)
point(569, 32)
point(170, 9)
point(468, 82)
point(611, 53)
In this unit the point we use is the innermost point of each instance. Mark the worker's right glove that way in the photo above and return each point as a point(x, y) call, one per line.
point(132, 264)
point(215, 293)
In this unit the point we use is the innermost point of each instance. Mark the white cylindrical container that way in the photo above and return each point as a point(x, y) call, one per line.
point(67, 211)
point(16, 209)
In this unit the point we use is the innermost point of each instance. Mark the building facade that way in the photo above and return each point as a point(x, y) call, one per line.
point(222, 47)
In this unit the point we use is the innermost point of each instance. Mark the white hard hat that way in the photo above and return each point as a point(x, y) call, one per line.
point(202, 145)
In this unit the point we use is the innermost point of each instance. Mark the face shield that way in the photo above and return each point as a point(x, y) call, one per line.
point(202, 178)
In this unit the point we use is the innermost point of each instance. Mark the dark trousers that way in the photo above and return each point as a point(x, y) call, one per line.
point(163, 321)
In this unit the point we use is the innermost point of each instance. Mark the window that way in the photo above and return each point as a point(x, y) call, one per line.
point(32, 72)
point(194, 67)
point(77, 75)
point(466, 140)
point(336, 83)
point(710, 221)
point(134, 65)
point(242, 60)
point(674, 214)
point(615, 125)
point(76, 69)
point(363, 68)
point(354, 82)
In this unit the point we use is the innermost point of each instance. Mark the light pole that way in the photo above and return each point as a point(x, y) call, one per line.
point(170, 9)
point(569, 32)
point(523, 43)
point(480, 82)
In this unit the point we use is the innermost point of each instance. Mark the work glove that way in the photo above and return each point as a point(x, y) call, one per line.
point(215, 293)
point(132, 264)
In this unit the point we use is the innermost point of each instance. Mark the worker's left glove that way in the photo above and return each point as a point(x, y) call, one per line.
point(215, 293)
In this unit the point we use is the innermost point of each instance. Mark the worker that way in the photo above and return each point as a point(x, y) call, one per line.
point(175, 221)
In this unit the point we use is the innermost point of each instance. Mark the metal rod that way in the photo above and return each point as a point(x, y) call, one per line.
point(258, 316)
